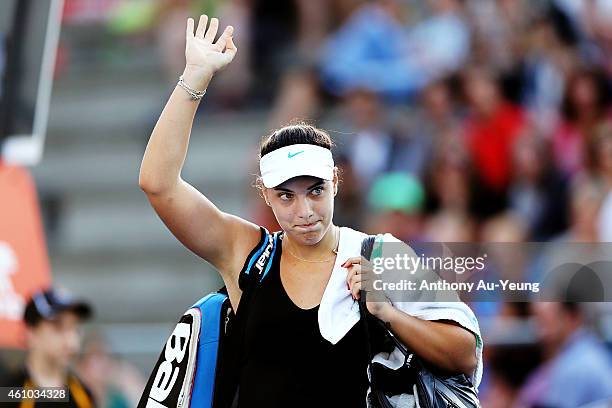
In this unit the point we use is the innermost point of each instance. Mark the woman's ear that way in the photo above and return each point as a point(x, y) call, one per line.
point(264, 194)
point(335, 181)
point(263, 191)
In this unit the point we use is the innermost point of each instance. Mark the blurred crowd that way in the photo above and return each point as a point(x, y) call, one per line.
point(458, 120)
point(455, 120)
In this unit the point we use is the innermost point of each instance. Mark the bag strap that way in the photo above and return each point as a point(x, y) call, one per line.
point(258, 267)
point(258, 262)
point(367, 247)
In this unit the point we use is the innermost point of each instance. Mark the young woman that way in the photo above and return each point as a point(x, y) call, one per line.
point(289, 363)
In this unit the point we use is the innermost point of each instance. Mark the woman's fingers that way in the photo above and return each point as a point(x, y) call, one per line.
point(211, 33)
point(356, 280)
point(201, 26)
point(202, 51)
point(353, 270)
point(189, 32)
point(230, 48)
point(351, 261)
point(222, 41)
point(355, 290)
point(357, 270)
point(357, 287)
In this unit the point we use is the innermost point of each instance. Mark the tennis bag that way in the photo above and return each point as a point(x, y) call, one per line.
point(431, 389)
point(198, 366)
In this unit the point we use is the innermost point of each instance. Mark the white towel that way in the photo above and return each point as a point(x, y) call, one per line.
point(338, 312)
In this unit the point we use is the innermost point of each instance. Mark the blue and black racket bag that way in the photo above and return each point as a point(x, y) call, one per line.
point(198, 366)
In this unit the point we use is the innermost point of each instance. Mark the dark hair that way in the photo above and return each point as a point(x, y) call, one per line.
point(573, 308)
point(295, 133)
point(600, 83)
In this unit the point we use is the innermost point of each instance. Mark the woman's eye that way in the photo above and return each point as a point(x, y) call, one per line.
point(285, 196)
point(317, 191)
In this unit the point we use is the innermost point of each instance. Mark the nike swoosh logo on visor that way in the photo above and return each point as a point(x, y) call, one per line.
point(290, 155)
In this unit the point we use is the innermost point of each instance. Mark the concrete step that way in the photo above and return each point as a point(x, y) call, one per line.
point(129, 112)
point(218, 153)
point(147, 287)
point(125, 222)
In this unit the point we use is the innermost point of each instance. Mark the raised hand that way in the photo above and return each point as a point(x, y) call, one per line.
point(203, 55)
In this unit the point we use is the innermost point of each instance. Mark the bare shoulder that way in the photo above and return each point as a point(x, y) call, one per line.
point(244, 237)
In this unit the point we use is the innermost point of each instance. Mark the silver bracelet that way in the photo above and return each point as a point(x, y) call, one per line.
point(195, 95)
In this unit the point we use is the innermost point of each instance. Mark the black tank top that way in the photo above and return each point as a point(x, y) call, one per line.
point(287, 363)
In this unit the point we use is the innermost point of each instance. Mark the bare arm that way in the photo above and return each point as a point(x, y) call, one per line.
point(218, 237)
point(444, 344)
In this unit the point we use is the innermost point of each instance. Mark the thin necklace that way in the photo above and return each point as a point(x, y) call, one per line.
point(335, 251)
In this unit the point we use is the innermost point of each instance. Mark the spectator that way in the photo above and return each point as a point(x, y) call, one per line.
point(498, 28)
point(585, 205)
point(506, 261)
point(602, 152)
point(449, 179)
point(367, 51)
point(543, 71)
point(114, 383)
point(350, 209)
point(424, 130)
point(439, 105)
point(596, 17)
point(298, 97)
point(449, 227)
point(491, 130)
point(585, 106)
point(297, 27)
point(374, 50)
point(371, 149)
point(600, 149)
point(53, 320)
point(577, 368)
point(538, 194)
point(397, 200)
point(440, 44)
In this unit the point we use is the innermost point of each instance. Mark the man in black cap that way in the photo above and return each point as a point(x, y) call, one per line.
point(53, 319)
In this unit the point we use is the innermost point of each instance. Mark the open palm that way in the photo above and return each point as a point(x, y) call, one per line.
point(202, 52)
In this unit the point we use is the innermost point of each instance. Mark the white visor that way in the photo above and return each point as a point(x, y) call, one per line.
point(296, 160)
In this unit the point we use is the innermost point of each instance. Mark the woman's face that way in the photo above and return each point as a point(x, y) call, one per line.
point(303, 207)
point(437, 100)
point(528, 159)
point(482, 92)
point(584, 92)
point(604, 155)
point(58, 340)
